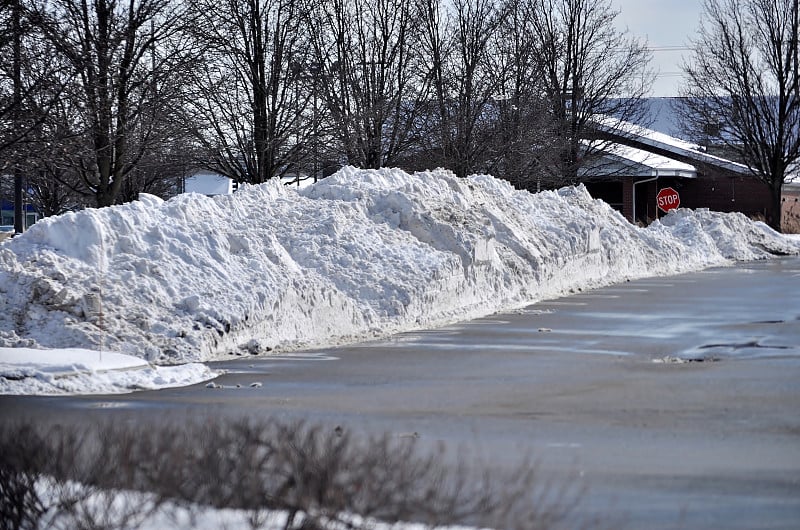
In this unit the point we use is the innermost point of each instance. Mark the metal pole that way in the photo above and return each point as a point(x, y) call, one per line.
point(18, 207)
point(315, 132)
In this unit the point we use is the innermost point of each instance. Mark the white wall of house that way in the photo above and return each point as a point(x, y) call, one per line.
point(208, 183)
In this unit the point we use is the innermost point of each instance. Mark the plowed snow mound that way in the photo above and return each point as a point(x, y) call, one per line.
point(359, 254)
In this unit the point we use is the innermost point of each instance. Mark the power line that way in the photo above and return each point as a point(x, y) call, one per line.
point(668, 48)
point(656, 49)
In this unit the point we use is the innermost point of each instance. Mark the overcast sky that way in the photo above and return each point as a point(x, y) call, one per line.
point(667, 25)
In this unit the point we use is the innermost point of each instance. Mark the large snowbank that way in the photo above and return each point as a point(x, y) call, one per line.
point(359, 254)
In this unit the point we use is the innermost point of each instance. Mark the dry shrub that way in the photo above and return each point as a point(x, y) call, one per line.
point(70, 477)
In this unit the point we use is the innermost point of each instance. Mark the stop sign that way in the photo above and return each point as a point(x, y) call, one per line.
point(668, 199)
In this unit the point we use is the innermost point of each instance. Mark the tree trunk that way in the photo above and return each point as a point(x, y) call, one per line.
point(775, 217)
point(19, 218)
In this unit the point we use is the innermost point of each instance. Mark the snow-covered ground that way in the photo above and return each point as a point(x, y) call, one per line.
point(360, 254)
point(81, 371)
point(123, 505)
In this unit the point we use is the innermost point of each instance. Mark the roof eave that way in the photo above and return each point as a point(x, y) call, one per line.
point(678, 173)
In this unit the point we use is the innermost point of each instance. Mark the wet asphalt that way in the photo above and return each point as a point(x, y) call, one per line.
point(669, 402)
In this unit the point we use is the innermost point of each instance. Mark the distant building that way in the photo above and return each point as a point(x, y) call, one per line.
point(642, 161)
point(790, 205)
point(209, 183)
point(7, 213)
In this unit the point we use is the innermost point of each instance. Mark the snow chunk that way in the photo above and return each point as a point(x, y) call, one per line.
point(79, 371)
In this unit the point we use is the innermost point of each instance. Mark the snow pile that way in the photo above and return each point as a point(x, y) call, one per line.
point(359, 254)
point(79, 371)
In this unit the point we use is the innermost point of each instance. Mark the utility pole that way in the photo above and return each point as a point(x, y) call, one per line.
point(17, 30)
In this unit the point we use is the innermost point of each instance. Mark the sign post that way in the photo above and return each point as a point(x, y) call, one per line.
point(668, 199)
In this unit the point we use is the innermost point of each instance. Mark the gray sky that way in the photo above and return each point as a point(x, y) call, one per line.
point(667, 25)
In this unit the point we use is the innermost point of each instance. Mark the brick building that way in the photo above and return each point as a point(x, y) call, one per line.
point(640, 162)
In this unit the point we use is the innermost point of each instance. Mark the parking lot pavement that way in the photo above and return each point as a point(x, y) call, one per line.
point(672, 401)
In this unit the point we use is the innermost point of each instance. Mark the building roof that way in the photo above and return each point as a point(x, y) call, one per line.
point(644, 138)
point(623, 160)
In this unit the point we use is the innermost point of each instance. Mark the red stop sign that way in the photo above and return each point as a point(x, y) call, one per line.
point(668, 199)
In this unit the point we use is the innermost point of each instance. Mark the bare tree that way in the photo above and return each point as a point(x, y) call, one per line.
point(129, 59)
point(27, 72)
point(52, 189)
point(742, 87)
point(254, 115)
point(521, 110)
point(467, 77)
point(161, 170)
point(52, 181)
point(586, 67)
point(369, 77)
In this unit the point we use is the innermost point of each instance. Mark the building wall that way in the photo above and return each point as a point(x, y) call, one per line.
point(648, 211)
point(208, 183)
point(715, 187)
point(627, 199)
point(721, 189)
point(7, 213)
point(725, 193)
point(790, 221)
point(718, 193)
point(645, 197)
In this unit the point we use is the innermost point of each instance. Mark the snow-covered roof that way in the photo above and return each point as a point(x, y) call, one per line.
point(623, 160)
point(648, 137)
